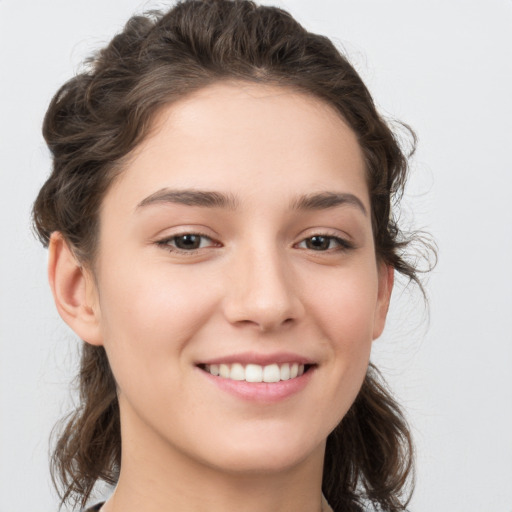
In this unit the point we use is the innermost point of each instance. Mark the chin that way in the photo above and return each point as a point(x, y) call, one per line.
point(266, 453)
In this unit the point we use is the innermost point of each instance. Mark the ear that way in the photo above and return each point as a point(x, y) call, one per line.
point(386, 280)
point(74, 291)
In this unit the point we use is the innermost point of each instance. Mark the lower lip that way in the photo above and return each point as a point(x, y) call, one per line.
point(267, 392)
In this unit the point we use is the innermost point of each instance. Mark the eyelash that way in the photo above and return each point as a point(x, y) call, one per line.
point(166, 243)
point(342, 244)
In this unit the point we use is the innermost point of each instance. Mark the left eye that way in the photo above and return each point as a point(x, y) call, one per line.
point(323, 243)
point(187, 242)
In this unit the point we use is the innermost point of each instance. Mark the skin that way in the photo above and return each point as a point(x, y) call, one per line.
point(255, 285)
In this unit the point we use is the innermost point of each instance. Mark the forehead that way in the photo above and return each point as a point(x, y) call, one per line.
point(246, 137)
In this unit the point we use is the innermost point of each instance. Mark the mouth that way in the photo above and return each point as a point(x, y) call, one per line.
point(270, 373)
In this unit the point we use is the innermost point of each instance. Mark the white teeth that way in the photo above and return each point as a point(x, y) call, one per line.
point(271, 373)
point(224, 371)
point(237, 372)
point(255, 372)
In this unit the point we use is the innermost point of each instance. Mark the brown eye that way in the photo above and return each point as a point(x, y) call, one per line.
point(319, 243)
point(325, 243)
point(187, 242)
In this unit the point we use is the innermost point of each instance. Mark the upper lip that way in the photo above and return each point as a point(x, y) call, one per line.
point(245, 358)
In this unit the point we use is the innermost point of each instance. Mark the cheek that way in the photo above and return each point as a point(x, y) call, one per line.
point(149, 319)
point(344, 310)
point(345, 307)
point(148, 315)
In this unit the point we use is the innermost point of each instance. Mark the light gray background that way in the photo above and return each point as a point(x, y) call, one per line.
point(444, 67)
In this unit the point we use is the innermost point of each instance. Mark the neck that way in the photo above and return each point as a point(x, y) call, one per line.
point(213, 491)
point(155, 477)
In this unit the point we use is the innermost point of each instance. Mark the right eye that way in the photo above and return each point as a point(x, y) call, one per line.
point(186, 242)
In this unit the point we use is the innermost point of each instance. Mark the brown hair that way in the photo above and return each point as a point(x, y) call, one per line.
point(103, 113)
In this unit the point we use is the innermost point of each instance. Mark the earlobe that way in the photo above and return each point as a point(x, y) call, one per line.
point(386, 280)
point(74, 291)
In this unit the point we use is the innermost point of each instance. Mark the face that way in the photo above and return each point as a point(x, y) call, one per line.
point(237, 291)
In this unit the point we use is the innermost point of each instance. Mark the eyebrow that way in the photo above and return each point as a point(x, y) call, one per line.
point(205, 199)
point(326, 200)
point(211, 199)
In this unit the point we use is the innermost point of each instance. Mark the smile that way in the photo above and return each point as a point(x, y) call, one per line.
point(255, 372)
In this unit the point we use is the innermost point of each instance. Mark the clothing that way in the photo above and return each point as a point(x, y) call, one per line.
point(325, 506)
point(95, 508)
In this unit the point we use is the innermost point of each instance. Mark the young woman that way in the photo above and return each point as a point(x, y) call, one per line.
point(221, 238)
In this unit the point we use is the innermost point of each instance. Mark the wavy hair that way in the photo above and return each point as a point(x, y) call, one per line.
point(99, 116)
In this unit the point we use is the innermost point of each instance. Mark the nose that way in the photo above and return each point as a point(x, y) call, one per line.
point(262, 291)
